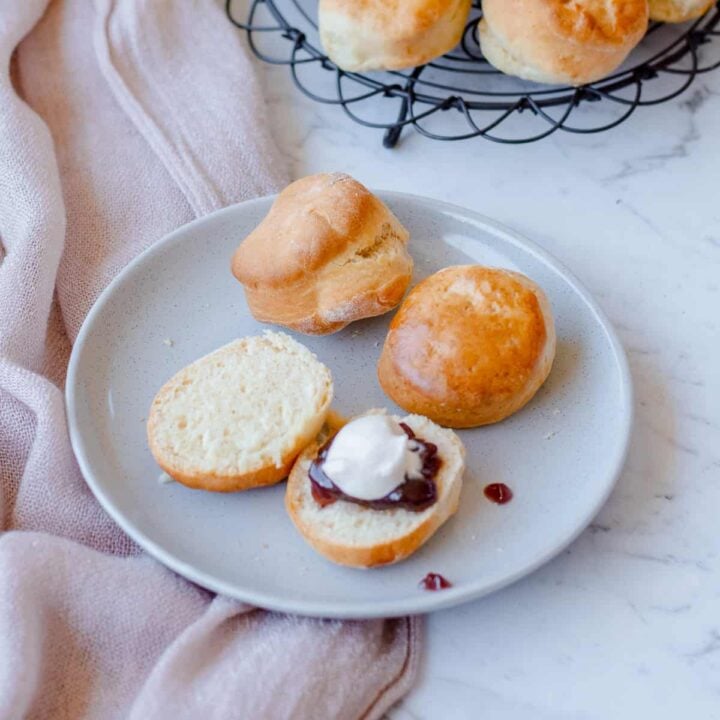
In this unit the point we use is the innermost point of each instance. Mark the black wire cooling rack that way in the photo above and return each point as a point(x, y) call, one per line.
point(461, 96)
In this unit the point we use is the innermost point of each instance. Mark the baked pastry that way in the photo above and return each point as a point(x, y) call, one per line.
point(677, 11)
point(469, 346)
point(553, 41)
point(363, 35)
point(239, 417)
point(328, 252)
point(358, 532)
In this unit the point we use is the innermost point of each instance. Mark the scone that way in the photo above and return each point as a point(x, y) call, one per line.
point(553, 41)
point(328, 252)
point(239, 417)
point(363, 35)
point(677, 11)
point(469, 346)
point(378, 491)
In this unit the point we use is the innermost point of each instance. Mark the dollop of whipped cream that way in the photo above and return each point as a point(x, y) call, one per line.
point(371, 456)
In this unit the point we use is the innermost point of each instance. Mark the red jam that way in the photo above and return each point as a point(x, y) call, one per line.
point(433, 581)
point(498, 493)
point(415, 494)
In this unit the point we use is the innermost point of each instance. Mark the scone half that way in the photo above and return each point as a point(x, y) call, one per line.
point(238, 417)
point(357, 536)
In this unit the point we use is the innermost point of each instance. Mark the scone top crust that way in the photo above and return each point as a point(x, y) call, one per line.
point(311, 223)
point(467, 337)
point(396, 19)
point(598, 23)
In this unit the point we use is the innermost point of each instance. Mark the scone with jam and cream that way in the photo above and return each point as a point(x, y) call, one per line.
point(377, 490)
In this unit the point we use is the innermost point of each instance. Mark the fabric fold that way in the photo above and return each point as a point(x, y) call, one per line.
point(179, 101)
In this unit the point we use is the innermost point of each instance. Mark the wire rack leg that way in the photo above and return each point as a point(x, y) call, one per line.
point(392, 134)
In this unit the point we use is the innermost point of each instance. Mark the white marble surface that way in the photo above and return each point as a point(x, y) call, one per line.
point(626, 623)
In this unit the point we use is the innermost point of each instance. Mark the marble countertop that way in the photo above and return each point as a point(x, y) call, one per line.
point(626, 623)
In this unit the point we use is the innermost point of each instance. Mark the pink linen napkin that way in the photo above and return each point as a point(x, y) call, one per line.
point(136, 117)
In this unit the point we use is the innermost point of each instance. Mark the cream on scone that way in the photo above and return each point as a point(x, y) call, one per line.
point(364, 35)
point(238, 417)
point(378, 491)
point(329, 252)
point(553, 41)
point(469, 346)
point(678, 11)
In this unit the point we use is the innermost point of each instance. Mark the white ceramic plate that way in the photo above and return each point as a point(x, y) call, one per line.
point(178, 301)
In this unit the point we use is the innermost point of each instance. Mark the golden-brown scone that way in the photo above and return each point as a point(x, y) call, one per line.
point(554, 41)
point(349, 534)
point(677, 11)
point(329, 252)
point(469, 346)
point(363, 35)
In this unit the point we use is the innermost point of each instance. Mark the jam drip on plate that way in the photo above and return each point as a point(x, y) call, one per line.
point(433, 581)
point(414, 494)
point(498, 493)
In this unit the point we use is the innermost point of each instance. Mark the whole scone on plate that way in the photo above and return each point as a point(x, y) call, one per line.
point(469, 346)
point(361, 507)
point(363, 35)
point(329, 252)
point(559, 42)
point(238, 417)
point(678, 11)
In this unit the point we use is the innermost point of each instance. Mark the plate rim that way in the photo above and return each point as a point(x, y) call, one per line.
point(413, 604)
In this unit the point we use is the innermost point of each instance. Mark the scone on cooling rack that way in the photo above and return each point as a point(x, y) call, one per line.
point(559, 42)
point(329, 252)
point(678, 11)
point(364, 35)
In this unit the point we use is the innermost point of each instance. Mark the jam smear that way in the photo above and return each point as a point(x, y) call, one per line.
point(498, 493)
point(415, 494)
point(433, 581)
point(323, 496)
